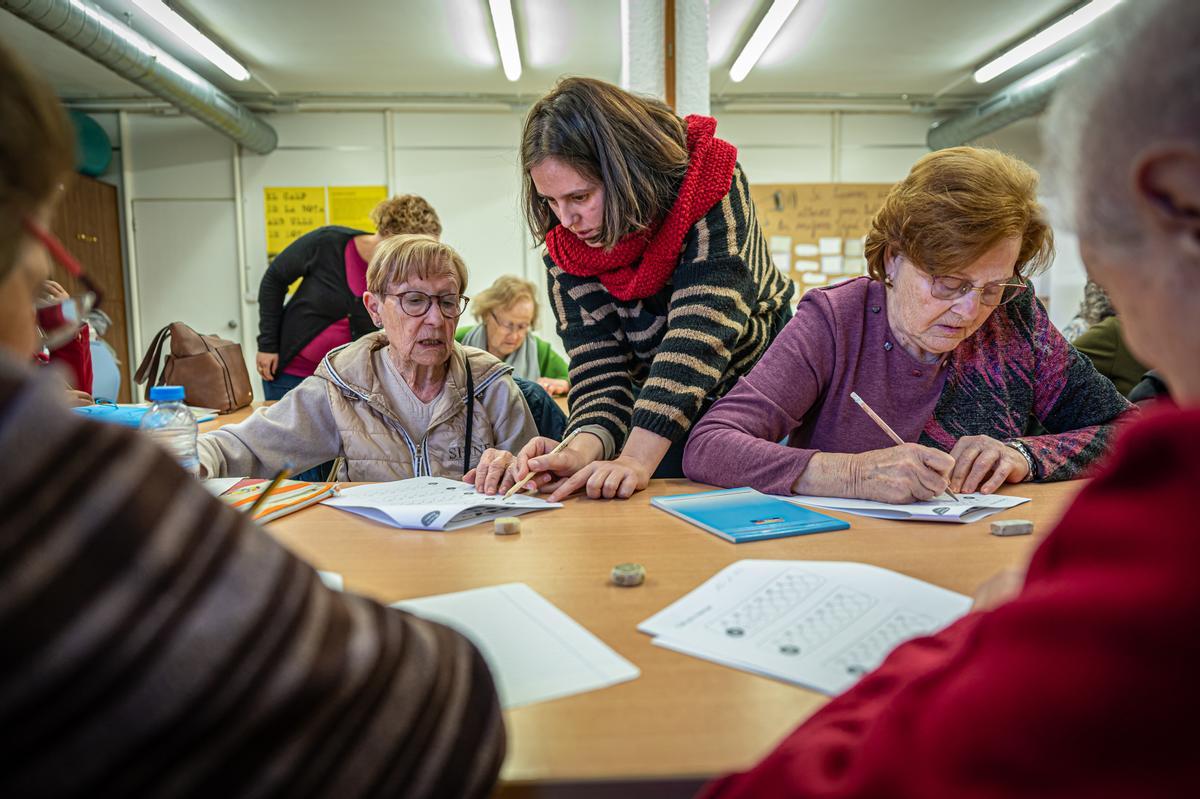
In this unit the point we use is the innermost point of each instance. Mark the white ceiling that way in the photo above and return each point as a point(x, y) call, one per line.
point(446, 48)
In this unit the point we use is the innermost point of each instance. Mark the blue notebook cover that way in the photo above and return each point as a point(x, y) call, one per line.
point(130, 415)
point(743, 514)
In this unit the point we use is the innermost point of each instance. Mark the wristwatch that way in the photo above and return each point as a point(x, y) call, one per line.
point(1021, 448)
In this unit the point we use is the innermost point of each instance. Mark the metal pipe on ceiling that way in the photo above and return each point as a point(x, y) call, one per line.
point(1025, 98)
point(93, 32)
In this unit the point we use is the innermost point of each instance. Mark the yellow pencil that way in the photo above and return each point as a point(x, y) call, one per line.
point(561, 446)
point(885, 427)
point(275, 481)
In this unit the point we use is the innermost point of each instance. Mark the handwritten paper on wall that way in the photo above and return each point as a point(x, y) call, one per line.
point(351, 206)
point(827, 220)
point(291, 211)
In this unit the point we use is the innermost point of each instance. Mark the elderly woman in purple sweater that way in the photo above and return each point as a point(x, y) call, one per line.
point(944, 340)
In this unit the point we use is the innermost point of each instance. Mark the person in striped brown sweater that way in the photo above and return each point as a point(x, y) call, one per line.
point(660, 279)
point(156, 643)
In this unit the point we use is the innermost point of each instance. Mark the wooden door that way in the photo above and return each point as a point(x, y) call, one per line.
point(88, 224)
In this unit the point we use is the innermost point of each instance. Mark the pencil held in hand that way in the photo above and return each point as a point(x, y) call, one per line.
point(521, 483)
point(885, 427)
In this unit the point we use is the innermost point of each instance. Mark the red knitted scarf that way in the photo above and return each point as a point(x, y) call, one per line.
point(709, 174)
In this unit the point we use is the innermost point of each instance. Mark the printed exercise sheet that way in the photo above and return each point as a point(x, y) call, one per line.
point(969, 508)
point(534, 650)
point(432, 503)
point(817, 624)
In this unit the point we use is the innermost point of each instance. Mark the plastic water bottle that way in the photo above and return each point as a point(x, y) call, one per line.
point(173, 426)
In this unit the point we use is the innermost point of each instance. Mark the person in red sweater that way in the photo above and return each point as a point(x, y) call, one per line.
point(75, 354)
point(1084, 683)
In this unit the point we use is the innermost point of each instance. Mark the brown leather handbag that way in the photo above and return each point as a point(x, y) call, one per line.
point(210, 369)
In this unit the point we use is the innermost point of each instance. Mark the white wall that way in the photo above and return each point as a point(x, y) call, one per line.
point(467, 164)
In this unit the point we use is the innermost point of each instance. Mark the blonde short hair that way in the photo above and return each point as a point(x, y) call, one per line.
point(398, 259)
point(955, 205)
point(504, 293)
point(406, 213)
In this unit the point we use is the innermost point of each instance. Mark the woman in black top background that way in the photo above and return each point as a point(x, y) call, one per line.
point(326, 310)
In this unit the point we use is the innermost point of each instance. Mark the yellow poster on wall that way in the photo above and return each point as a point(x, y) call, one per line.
point(290, 212)
point(351, 206)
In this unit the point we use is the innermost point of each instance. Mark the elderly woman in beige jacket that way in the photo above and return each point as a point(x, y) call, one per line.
point(407, 401)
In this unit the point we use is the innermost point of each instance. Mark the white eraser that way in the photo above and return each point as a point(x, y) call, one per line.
point(1008, 527)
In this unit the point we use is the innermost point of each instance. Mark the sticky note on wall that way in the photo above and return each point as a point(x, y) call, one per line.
point(832, 264)
point(290, 212)
point(351, 206)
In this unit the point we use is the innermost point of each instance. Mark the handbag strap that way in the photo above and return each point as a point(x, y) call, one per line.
point(148, 369)
point(470, 416)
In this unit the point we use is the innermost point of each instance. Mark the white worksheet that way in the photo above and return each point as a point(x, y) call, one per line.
point(432, 503)
point(219, 485)
point(817, 624)
point(969, 508)
point(534, 650)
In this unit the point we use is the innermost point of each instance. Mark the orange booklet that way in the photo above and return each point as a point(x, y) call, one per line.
point(289, 496)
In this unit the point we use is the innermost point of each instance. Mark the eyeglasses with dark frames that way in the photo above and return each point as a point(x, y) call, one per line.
point(416, 303)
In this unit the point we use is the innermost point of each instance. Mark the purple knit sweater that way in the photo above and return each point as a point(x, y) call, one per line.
point(1016, 368)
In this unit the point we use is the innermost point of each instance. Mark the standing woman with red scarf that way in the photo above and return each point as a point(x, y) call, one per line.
point(660, 279)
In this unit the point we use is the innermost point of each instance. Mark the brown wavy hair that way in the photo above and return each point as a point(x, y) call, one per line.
point(507, 289)
point(37, 150)
point(955, 205)
point(406, 213)
point(634, 146)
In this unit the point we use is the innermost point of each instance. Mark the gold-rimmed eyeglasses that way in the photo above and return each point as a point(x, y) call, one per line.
point(945, 287)
point(516, 328)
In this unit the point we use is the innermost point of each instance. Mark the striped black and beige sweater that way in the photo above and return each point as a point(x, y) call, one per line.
point(651, 363)
point(155, 643)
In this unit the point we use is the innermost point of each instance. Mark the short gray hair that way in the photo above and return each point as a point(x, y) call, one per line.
point(1140, 86)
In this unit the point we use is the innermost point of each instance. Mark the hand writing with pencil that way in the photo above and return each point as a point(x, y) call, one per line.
point(897, 475)
point(544, 463)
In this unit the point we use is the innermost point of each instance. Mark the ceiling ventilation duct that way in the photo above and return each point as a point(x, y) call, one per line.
point(1025, 98)
point(96, 34)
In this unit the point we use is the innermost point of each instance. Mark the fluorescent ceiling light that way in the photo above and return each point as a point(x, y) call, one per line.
point(1052, 71)
point(763, 35)
point(506, 37)
point(1041, 40)
point(193, 38)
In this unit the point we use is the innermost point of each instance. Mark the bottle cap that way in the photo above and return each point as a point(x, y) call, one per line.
point(629, 574)
point(507, 525)
point(166, 393)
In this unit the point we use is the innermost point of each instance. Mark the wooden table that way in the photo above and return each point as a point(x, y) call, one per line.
point(684, 719)
point(230, 418)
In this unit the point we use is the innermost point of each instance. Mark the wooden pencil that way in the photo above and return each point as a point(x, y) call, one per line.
point(279, 477)
point(885, 427)
point(521, 483)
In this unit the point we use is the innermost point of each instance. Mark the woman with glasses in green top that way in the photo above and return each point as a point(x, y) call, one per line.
point(507, 312)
